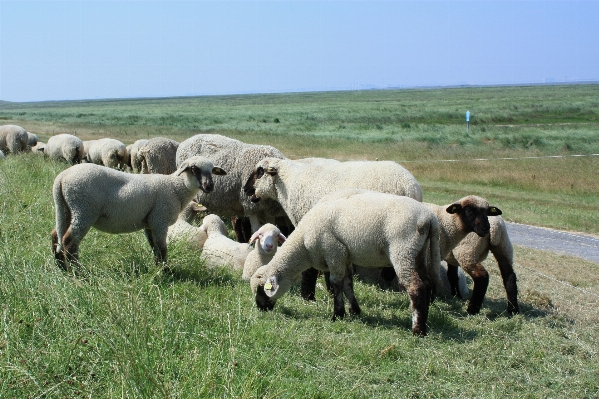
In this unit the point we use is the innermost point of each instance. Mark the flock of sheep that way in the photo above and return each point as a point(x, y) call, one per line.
point(363, 218)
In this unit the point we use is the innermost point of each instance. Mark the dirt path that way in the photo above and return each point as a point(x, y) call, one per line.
point(583, 246)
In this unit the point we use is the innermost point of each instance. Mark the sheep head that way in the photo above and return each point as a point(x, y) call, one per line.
point(202, 169)
point(260, 184)
point(264, 289)
point(268, 236)
point(473, 212)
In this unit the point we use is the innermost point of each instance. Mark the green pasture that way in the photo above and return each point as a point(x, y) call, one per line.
point(124, 328)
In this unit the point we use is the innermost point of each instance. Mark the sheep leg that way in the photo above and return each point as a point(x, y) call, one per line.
point(348, 289)
point(242, 228)
point(452, 276)
point(308, 287)
point(58, 256)
point(420, 301)
point(509, 282)
point(158, 247)
point(337, 285)
point(480, 277)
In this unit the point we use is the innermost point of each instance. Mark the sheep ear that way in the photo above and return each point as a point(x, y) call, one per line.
point(254, 237)
point(198, 207)
point(282, 238)
point(184, 166)
point(454, 208)
point(494, 211)
point(218, 171)
point(271, 286)
point(271, 171)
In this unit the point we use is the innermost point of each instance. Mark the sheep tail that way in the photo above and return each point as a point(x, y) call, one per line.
point(62, 212)
point(434, 266)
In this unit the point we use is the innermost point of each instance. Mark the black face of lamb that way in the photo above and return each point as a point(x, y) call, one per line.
point(263, 302)
point(477, 220)
point(206, 183)
point(248, 188)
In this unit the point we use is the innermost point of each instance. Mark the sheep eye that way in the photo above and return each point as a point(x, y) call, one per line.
point(259, 172)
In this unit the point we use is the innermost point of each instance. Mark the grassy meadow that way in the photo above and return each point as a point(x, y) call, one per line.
point(123, 328)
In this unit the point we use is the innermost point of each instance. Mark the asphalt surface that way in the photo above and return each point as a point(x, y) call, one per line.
point(561, 242)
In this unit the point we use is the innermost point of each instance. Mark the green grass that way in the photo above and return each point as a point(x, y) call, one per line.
point(122, 328)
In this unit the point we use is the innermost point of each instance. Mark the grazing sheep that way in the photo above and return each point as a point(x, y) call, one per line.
point(112, 201)
point(183, 230)
point(31, 139)
point(238, 159)
point(133, 155)
point(219, 249)
point(66, 147)
point(39, 148)
point(267, 238)
point(13, 139)
point(299, 185)
point(387, 230)
point(158, 155)
point(470, 253)
point(108, 152)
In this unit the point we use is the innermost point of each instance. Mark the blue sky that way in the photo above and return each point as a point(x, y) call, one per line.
point(59, 50)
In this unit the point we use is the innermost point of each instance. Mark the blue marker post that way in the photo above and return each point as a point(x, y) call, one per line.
point(468, 122)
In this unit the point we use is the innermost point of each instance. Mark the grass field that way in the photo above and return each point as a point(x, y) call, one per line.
point(124, 329)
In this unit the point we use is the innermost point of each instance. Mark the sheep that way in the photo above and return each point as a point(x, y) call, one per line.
point(133, 155)
point(219, 249)
point(108, 152)
point(183, 230)
point(65, 146)
point(31, 140)
point(39, 148)
point(158, 155)
point(266, 239)
point(13, 139)
point(470, 253)
point(228, 200)
point(88, 195)
point(388, 230)
point(299, 185)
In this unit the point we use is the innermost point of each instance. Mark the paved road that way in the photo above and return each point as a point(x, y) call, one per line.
point(554, 240)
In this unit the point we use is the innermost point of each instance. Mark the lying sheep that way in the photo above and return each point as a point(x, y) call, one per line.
point(132, 155)
point(266, 238)
point(470, 253)
point(299, 185)
point(13, 139)
point(183, 230)
point(108, 152)
point(65, 147)
point(158, 155)
point(388, 230)
point(89, 195)
point(238, 159)
point(219, 249)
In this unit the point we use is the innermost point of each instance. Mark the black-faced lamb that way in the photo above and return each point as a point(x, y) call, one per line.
point(88, 195)
point(228, 199)
point(266, 238)
point(470, 253)
point(389, 230)
point(13, 139)
point(158, 155)
point(65, 147)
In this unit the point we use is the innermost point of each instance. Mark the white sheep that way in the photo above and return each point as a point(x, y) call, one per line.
point(13, 139)
point(219, 249)
point(66, 147)
point(39, 148)
point(108, 152)
point(88, 195)
point(228, 199)
point(472, 251)
point(266, 238)
point(299, 185)
point(158, 155)
point(184, 230)
point(388, 230)
point(132, 160)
